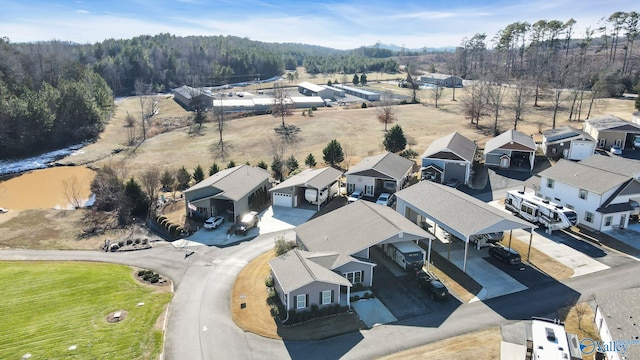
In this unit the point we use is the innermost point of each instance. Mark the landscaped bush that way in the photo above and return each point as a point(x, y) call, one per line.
point(136, 241)
point(275, 310)
point(314, 310)
point(268, 282)
point(293, 317)
point(364, 105)
point(145, 241)
point(129, 242)
point(121, 243)
point(149, 276)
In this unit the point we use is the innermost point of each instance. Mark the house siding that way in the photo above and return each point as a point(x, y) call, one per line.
point(313, 292)
point(366, 269)
point(359, 182)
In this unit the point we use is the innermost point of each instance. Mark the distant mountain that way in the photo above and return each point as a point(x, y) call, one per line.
point(397, 48)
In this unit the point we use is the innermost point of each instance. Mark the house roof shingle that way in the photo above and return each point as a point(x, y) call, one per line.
point(583, 176)
point(455, 143)
point(390, 164)
point(234, 183)
point(510, 137)
point(612, 123)
point(462, 214)
point(295, 269)
point(614, 164)
point(356, 227)
point(313, 178)
point(621, 311)
point(565, 133)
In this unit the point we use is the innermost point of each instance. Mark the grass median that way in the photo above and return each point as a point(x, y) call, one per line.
point(61, 310)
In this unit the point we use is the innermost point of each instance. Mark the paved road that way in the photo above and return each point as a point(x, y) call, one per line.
point(200, 325)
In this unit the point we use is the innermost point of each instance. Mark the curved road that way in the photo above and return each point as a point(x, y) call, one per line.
point(200, 325)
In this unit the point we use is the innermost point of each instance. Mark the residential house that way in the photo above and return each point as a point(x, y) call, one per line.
point(604, 191)
point(292, 192)
point(449, 157)
point(385, 172)
point(567, 142)
point(511, 150)
point(441, 80)
point(230, 192)
point(611, 130)
point(616, 318)
point(336, 246)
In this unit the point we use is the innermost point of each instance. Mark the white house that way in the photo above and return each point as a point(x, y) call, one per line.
point(604, 191)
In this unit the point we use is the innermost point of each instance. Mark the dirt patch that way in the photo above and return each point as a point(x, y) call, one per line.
point(538, 259)
point(579, 319)
point(121, 315)
point(480, 345)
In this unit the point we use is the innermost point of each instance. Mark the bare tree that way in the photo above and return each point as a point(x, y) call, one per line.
point(436, 94)
point(282, 104)
point(474, 103)
point(150, 181)
point(147, 106)
point(386, 115)
point(73, 189)
point(495, 103)
point(520, 96)
point(218, 114)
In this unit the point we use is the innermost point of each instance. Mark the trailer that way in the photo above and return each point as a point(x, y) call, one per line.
point(311, 195)
point(407, 254)
point(540, 211)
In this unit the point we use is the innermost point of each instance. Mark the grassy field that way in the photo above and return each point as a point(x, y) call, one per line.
point(48, 307)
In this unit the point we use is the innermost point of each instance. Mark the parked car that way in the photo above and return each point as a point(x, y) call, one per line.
point(504, 254)
point(432, 286)
point(616, 150)
point(454, 183)
point(495, 236)
point(247, 221)
point(213, 222)
point(384, 199)
point(355, 196)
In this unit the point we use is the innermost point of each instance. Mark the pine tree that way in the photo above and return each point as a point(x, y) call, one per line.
point(333, 153)
point(394, 140)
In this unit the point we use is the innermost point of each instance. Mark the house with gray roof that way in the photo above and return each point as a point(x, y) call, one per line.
point(230, 192)
point(567, 142)
point(449, 157)
point(192, 98)
point(611, 130)
point(337, 245)
point(292, 192)
point(616, 318)
point(387, 172)
point(511, 150)
point(604, 191)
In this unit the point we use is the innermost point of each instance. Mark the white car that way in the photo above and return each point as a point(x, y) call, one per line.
point(213, 222)
point(384, 199)
point(616, 150)
point(355, 196)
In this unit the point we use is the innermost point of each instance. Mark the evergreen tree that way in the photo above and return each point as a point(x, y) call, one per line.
point(291, 163)
point(198, 174)
point(183, 177)
point(394, 140)
point(167, 179)
point(356, 79)
point(214, 169)
point(363, 79)
point(310, 161)
point(332, 153)
point(277, 166)
point(262, 165)
point(231, 164)
point(137, 200)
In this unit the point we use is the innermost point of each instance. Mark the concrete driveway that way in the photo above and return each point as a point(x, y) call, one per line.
point(629, 236)
point(273, 219)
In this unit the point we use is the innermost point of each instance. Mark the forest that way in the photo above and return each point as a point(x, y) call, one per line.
point(56, 93)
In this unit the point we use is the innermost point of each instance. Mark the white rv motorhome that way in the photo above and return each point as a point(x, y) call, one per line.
point(537, 210)
point(311, 195)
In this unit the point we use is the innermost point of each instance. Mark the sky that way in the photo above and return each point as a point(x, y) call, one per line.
point(345, 24)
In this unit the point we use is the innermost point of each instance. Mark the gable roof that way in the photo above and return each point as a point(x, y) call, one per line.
point(583, 176)
point(392, 165)
point(233, 183)
point(459, 213)
point(621, 311)
point(511, 140)
point(454, 143)
point(612, 123)
point(295, 269)
point(613, 164)
point(313, 178)
point(356, 227)
point(565, 133)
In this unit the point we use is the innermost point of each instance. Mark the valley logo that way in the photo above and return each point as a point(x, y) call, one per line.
point(589, 346)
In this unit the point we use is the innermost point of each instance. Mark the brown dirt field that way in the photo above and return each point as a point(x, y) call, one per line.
point(539, 259)
point(480, 345)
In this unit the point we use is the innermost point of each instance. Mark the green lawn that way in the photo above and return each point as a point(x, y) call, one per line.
point(47, 307)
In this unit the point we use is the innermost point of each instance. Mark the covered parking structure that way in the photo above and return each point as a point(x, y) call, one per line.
point(459, 214)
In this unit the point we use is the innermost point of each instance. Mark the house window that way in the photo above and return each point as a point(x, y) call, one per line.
point(569, 207)
point(588, 217)
point(602, 143)
point(550, 183)
point(582, 194)
point(351, 187)
point(354, 277)
point(301, 301)
point(618, 142)
point(608, 220)
point(326, 297)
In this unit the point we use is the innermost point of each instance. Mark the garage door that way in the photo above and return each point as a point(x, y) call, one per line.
point(581, 151)
point(281, 199)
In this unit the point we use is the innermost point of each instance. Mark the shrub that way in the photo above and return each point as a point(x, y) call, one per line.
point(409, 154)
point(314, 310)
point(129, 242)
point(145, 241)
point(268, 281)
point(293, 316)
point(121, 243)
point(275, 311)
point(313, 108)
point(136, 241)
point(364, 105)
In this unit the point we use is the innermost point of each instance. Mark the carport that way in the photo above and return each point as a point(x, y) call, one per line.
point(455, 212)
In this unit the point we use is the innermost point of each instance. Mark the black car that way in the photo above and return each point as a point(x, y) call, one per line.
point(432, 286)
point(504, 254)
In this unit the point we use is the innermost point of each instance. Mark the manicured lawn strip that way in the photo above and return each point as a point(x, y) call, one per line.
point(47, 307)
